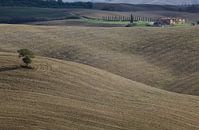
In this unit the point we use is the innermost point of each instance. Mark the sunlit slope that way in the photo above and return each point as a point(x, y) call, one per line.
point(166, 58)
point(58, 95)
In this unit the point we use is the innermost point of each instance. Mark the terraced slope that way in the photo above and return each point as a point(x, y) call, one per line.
point(166, 58)
point(58, 95)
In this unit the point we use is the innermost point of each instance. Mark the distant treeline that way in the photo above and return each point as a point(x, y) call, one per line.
point(100, 6)
point(21, 20)
point(46, 4)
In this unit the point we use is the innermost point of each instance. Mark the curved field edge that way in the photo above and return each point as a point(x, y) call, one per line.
point(165, 58)
point(66, 95)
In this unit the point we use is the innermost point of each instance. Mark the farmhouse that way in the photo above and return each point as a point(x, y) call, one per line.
point(169, 21)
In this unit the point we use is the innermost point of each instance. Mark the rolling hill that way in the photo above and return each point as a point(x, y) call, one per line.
point(166, 58)
point(159, 2)
point(146, 7)
point(18, 15)
point(60, 95)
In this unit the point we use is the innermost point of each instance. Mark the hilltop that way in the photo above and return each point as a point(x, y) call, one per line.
point(166, 58)
point(66, 95)
point(24, 14)
point(160, 2)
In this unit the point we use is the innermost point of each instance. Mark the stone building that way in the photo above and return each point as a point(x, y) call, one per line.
point(169, 21)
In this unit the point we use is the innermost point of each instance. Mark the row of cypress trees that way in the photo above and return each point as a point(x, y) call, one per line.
point(131, 18)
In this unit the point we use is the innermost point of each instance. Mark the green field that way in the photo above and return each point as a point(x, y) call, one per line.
point(124, 23)
point(96, 21)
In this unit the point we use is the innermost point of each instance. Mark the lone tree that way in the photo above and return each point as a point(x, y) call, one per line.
point(26, 56)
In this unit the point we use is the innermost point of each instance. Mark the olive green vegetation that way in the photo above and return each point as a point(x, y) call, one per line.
point(124, 23)
point(99, 21)
point(32, 14)
point(45, 4)
point(26, 56)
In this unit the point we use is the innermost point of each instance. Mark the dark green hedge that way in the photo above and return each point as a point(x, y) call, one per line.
point(45, 4)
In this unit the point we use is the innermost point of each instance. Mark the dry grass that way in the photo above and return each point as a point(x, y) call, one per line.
point(166, 58)
point(58, 95)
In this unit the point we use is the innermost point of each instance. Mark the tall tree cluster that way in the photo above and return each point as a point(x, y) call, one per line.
point(46, 4)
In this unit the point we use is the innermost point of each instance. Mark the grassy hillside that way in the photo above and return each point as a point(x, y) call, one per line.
point(165, 58)
point(145, 7)
point(65, 95)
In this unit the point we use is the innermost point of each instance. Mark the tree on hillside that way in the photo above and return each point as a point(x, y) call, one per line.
point(26, 56)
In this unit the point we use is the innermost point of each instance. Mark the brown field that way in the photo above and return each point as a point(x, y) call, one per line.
point(60, 95)
point(166, 58)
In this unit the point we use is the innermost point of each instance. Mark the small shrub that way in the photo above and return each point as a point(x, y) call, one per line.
point(193, 24)
point(148, 24)
point(131, 25)
point(26, 56)
point(27, 60)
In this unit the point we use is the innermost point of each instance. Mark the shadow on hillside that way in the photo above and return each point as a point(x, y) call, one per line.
point(9, 68)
